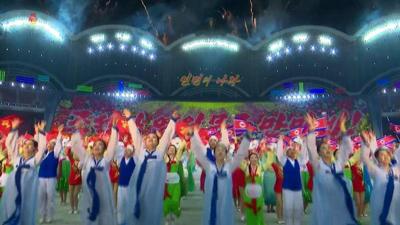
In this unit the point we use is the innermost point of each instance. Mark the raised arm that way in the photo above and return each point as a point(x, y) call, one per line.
point(41, 143)
point(303, 157)
point(134, 131)
point(180, 150)
point(166, 137)
point(279, 151)
point(312, 142)
point(224, 134)
point(58, 146)
point(12, 139)
point(368, 141)
point(345, 150)
point(112, 144)
point(242, 152)
point(77, 143)
point(198, 148)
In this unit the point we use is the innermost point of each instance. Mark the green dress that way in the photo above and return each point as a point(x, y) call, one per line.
point(191, 165)
point(269, 178)
point(172, 192)
point(62, 184)
point(182, 181)
point(253, 198)
point(307, 193)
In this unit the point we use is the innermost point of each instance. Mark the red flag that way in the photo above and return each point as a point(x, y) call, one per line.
point(242, 126)
point(395, 128)
point(321, 133)
point(5, 124)
point(181, 129)
point(386, 141)
point(122, 124)
point(293, 133)
point(321, 123)
point(356, 142)
point(333, 144)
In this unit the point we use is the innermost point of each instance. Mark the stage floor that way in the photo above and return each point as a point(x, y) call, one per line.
point(191, 213)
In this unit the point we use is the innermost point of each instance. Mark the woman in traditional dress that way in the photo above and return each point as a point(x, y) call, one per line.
point(385, 196)
point(332, 201)
point(253, 199)
point(97, 205)
point(19, 201)
point(218, 203)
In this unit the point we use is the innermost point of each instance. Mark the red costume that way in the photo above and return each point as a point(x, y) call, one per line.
point(357, 178)
point(75, 173)
point(279, 177)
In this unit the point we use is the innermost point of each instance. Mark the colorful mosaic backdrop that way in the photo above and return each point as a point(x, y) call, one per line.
point(271, 118)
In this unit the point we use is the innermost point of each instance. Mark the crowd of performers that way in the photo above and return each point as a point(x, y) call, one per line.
point(139, 179)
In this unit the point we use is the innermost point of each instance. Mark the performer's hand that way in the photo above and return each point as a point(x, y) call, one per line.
point(175, 115)
point(114, 121)
point(127, 113)
point(79, 124)
point(15, 123)
point(310, 122)
point(366, 137)
point(41, 125)
point(342, 122)
point(60, 128)
point(223, 124)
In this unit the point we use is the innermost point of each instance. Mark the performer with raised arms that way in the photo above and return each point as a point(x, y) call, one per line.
point(19, 201)
point(149, 177)
point(98, 202)
point(332, 202)
point(385, 196)
point(218, 203)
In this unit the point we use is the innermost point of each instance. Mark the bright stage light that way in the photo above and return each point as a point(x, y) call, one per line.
point(110, 46)
point(298, 97)
point(97, 38)
point(325, 40)
point(300, 38)
point(23, 22)
point(146, 44)
point(122, 47)
point(211, 43)
point(276, 45)
point(381, 30)
point(123, 36)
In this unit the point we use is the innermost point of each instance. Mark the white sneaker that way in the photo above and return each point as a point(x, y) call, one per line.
point(242, 218)
point(71, 212)
point(281, 222)
point(75, 212)
point(41, 220)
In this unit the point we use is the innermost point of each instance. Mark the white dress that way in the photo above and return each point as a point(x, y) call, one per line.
point(29, 183)
point(224, 206)
point(329, 204)
point(107, 211)
point(150, 198)
point(380, 181)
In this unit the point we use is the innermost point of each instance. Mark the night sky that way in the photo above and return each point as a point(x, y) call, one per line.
point(172, 19)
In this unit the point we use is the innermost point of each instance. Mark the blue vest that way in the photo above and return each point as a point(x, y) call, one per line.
point(125, 172)
point(48, 167)
point(291, 176)
point(210, 155)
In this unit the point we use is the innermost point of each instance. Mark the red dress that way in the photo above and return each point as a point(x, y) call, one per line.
point(357, 178)
point(202, 180)
point(279, 177)
point(114, 172)
point(310, 169)
point(75, 173)
point(238, 181)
